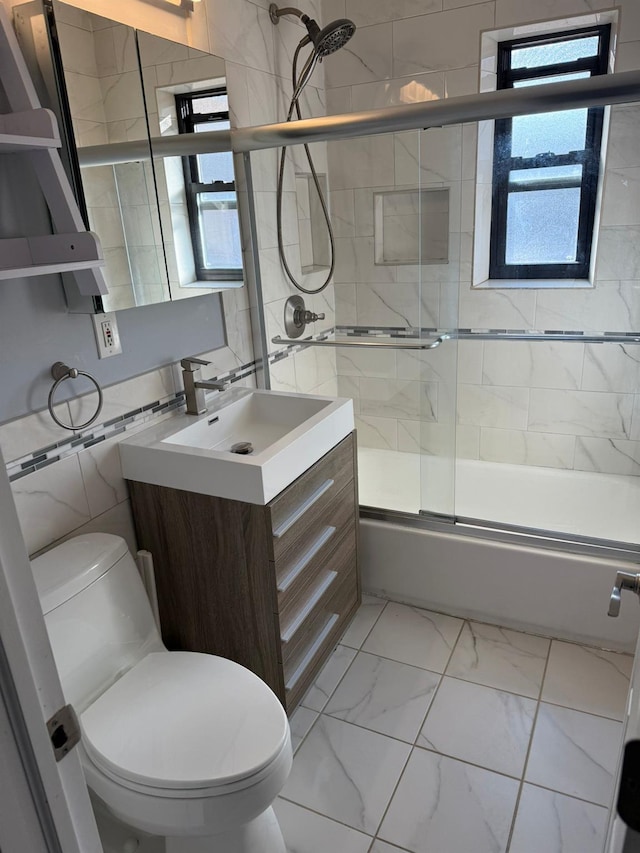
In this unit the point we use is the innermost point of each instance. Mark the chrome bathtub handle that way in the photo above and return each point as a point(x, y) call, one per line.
point(624, 580)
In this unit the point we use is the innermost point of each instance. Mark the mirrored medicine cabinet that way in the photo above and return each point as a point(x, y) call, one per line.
point(169, 226)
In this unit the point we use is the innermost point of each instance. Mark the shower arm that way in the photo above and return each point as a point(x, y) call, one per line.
point(275, 13)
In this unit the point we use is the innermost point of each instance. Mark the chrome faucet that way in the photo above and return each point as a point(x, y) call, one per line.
point(624, 580)
point(195, 386)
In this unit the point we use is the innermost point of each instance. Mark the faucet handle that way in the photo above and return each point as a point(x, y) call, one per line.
point(624, 580)
point(191, 362)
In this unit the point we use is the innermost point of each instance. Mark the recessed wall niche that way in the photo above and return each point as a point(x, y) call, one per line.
point(312, 228)
point(411, 226)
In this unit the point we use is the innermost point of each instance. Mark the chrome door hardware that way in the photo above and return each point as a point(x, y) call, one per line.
point(296, 316)
point(624, 580)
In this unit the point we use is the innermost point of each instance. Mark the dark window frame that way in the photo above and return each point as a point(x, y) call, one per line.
point(588, 158)
point(187, 119)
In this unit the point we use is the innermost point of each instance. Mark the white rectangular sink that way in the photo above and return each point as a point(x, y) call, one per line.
point(287, 433)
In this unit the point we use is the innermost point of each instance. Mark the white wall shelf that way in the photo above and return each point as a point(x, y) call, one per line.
point(32, 130)
point(28, 130)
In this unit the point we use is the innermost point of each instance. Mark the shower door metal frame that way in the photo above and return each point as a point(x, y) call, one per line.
point(476, 528)
point(622, 87)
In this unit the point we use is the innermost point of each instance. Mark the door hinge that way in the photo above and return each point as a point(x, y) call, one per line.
point(64, 731)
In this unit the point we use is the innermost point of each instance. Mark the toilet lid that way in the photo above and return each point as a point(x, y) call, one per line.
point(185, 720)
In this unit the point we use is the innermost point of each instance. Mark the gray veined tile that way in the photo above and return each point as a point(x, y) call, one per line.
point(587, 679)
point(597, 413)
point(574, 753)
point(300, 723)
point(364, 620)
point(51, 503)
point(308, 832)
point(383, 695)
point(346, 773)
point(500, 658)
point(328, 678)
point(480, 725)
point(607, 455)
point(383, 847)
point(556, 823)
point(414, 636)
point(445, 805)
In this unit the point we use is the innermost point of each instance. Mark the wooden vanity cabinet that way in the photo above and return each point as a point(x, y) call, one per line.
point(271, 587)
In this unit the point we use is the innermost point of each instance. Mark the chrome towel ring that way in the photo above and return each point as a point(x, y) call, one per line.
point(61, 372)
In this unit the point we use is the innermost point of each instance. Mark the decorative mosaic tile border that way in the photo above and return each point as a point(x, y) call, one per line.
point(463, 334)
point(45, 456)
point(96, 434)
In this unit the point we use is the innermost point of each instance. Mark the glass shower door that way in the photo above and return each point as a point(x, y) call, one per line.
point(394, 244)
point(443, 266)
point(395, 208)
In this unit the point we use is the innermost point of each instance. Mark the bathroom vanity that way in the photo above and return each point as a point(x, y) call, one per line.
point(270, 585)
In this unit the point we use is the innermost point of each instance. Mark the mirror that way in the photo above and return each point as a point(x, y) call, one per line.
point(168, 226)
point(186, 92)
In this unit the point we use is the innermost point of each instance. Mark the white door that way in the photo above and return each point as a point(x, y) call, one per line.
point(44, 803)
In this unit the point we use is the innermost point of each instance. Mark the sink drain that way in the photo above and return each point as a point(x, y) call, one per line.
point(243, 448)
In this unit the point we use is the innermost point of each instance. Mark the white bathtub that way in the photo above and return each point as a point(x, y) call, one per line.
point(545, 591)
point(533, 589)
point(603, 506)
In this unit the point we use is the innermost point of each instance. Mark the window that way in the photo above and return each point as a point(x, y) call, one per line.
point(211, 190)
point(545, 166)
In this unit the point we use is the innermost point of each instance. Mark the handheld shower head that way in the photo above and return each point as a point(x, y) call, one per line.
point(330, 38)
point(326, 40)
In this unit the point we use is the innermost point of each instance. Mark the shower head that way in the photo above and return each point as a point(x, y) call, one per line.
point(330, 38)
point(326, 40)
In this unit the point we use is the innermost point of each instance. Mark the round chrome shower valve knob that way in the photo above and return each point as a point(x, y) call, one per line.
point(296, 316)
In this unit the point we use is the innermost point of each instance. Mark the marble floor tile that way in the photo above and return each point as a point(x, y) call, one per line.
point(328, 678)
point(363, 621)
point(300, 722)
point(383, 847)
point(346, 773)
point(587, 679)
point(574, 753)
point(383, 695)
point(308, 832)
point(480, 725)
point(556, 823)
point(500, 658)
point(445, 805)
point(414, 636)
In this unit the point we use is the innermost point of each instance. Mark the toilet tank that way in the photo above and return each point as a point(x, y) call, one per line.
point(97, 613)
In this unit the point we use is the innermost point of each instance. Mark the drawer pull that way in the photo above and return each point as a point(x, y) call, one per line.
point(311, 602)
point(300, 511)
point(306, 558)
point(312, 651)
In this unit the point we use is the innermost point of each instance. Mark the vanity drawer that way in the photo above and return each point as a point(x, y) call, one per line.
point(303, 543)
point(313, 491)
point(306, 591)
point(343, 585)
point(321, 633)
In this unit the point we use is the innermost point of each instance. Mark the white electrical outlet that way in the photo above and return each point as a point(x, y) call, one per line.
point(107, 335)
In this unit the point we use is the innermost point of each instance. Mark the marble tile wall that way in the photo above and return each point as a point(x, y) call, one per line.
point(559, 405)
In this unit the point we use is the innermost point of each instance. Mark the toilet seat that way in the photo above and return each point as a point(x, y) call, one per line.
point(181, 723)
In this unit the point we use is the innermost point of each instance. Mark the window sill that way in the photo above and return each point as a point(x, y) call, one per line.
point(213, 285)
point(533, 284)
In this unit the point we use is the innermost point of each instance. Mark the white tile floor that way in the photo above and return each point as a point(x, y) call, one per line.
point(429, 734)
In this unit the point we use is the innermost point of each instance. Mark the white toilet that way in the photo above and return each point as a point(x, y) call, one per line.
point(183, 745)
